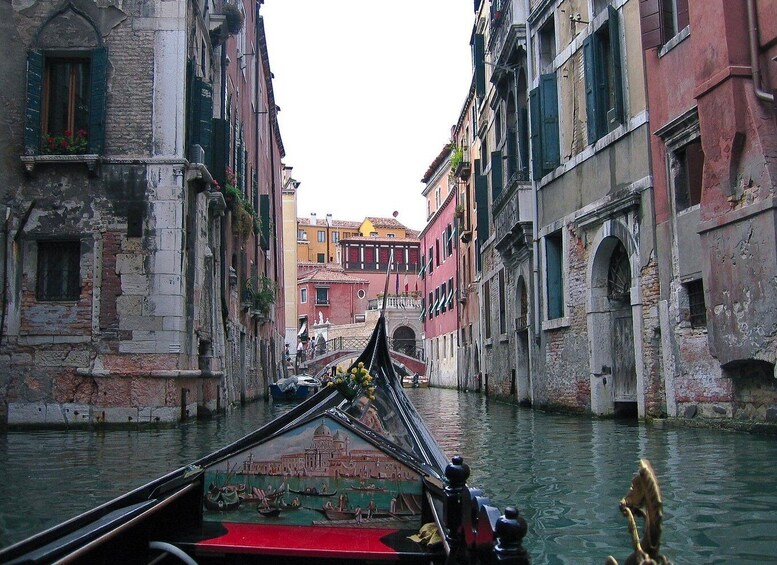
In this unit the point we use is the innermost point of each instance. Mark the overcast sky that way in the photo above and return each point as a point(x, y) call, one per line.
point(368, 93)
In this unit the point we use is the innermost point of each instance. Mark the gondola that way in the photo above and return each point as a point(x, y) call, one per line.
point(312, 491)
point(353, 428)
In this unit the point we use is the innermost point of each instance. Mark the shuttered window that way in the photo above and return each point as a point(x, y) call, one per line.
point(65, 111)
point(554, 273)
point(603, 78)
point(543, 106)
point(479, 64)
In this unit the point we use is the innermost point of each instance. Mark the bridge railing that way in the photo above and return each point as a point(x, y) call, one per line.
point(409, 347)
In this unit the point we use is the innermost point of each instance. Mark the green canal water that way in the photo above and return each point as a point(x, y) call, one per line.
point(565, 475)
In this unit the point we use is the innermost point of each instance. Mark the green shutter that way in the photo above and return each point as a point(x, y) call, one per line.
point(617, 70)
point(549, 108)
point(205, 118)
point(496, 175)
point(479, 61)
point(481, 201)
point(523, 143)
point(264, 217)
point(32, 122)
point(553, 248)
point(220, 150)
point(589, 63)
point(97, 90)
point(536, 137)
point(512, 152)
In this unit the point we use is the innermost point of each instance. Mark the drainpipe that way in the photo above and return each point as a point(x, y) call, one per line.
point(753, 36)
point(535, 200)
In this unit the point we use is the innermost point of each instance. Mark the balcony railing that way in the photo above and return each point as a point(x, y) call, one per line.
point(396, 302)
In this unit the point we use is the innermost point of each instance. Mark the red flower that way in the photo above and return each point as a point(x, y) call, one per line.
point(63, 143)
point(68, 133)
point(81, 132)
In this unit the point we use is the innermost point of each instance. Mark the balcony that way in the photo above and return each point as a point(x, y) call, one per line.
point(513, 219)
point(396, 302)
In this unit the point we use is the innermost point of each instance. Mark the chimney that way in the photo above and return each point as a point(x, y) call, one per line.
point(312, 218)
point(329, 219)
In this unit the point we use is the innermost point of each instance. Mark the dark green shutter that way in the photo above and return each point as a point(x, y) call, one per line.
point(512, 153)
point(264, 217)
point(553, 248)
point(523, 143)
point(97, 90)
point(205, 118)
point(32, 123)
point(617, 71)
point(479, 61)
point(497, 180)
point(549, 109)
point(220, 150)
point(589, 62)
point(481, 201)
point(536, 137)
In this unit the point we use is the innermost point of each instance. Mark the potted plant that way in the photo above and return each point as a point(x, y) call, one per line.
point(232, 24)
point(264, 289)
point(459, 212)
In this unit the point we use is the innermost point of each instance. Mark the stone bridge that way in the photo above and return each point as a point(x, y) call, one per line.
point(342, 350)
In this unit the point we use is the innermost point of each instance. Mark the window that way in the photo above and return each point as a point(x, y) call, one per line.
point(697, 310)
point(303, 295)
point(685, 158)
point(320, 257)
point(321, 236)
point(687, 163)
point(301, 235)
point(431, 305)
point(502, 304)
point(65, 102)
point(543, 106)
point(322, 295)
point(335, 236)
point(59, 270)
point(450, 292)
point(360, 294)
point(674, 17)
point(603, 82)
point(662, 20)
point(487, 308)
point(443, 298)
point(390, 235)
point(554, 271)
point(547, 41)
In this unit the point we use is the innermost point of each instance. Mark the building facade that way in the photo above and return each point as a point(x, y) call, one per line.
point(439, 307)
point(124, 299)
point(597, 292)
point(711, 80)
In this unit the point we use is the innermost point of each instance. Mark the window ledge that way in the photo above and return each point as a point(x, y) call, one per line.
point(555, 324)
point(503, 338)
point(675, 41)
point(90, 160)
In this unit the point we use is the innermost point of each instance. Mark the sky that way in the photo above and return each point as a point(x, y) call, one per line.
point(368, 93)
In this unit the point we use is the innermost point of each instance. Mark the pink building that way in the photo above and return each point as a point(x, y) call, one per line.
point(438, 274)
point(329, 294)
point(711, 76)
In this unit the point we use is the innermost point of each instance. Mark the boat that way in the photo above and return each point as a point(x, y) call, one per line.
point(312, 491)
point(415, 381)
point(431, 515)
point(289, 388)
point(270, 512)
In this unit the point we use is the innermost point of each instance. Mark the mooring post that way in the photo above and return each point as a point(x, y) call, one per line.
point(457, 473)
point(509, 533)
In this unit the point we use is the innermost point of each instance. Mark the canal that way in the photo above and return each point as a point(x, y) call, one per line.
point(565, 474)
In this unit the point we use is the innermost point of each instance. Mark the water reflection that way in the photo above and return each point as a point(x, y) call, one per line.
point(565, 474)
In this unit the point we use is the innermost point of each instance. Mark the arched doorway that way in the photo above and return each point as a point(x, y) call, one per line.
point(614, 366)
point(403, 341)
point(523, 378)
point(624, 373)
